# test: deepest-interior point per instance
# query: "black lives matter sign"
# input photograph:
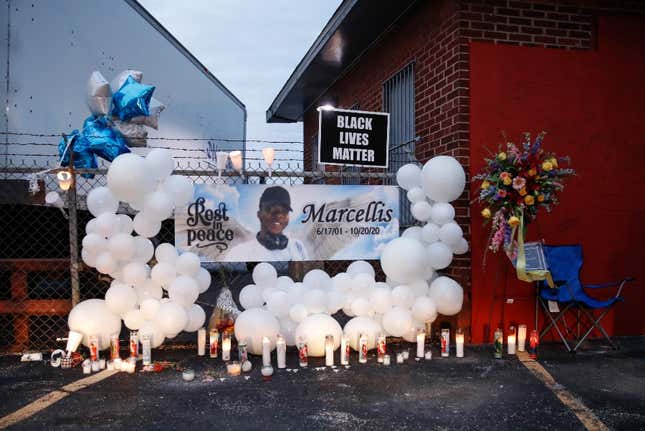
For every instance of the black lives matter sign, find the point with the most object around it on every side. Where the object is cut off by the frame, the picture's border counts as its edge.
(353, 138)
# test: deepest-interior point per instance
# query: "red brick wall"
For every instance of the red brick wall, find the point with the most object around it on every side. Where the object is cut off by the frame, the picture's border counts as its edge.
(436, 36)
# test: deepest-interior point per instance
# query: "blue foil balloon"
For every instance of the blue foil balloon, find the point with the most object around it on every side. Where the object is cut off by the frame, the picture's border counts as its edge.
(102, 139)
(83, 157)
(132, 100)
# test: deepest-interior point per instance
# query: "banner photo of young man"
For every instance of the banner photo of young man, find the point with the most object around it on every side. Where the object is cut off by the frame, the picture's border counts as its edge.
(258, 222)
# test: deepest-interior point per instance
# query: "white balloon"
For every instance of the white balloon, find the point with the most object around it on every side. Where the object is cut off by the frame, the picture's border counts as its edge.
(314, 329)
(128, 179)
(288, 331)
(283, 282)
(317, 279)
(144, 249)
(93, 317)
(95, 243)
(430, 232)
(419, 288)
(152, 328)
(264, 274)
(408, 176)
(105, 263)
(120, 298)
(360, 267)
(443, 178)
(442, 213)
(404, 259)
(424, 309)
(296, 293)
(361, 307)
(90, 227)
(278, 303)
(421, 211)
(107, 224)
(146, 225)
(135, 273)
(122, 246)
(179, 188)
(447, 295)
(413, 232)
(461, 247)
(166, 253)
(183, 290)
(125, 223)
(254, 324)
(402, 296)
(342, 281)
(171, 318)
(163, 273)
(362, 325)
(101, 200)
(450, 234)
(416, 194)
(88, 258)
(316, 301)
(159, 163)
(133, 319)
(362, 285)
(196, 318)
(397, 321)
(251, 297)
(158, 205)
(148, 289)
(298, 313)
(203, 279)
(439, 255)
(188, 264)
(149, 308)
(335, 300)
(381, 299)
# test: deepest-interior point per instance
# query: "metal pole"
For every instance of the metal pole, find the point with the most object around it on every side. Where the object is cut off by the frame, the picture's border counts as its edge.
(73, 229)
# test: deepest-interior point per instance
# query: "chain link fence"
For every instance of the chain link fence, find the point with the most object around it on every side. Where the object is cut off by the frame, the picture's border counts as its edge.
(42, 275)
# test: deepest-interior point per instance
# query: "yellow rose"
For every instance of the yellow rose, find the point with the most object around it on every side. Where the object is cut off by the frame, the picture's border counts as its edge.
(540, 198)
(547, 166)
(532, 172)
(486, 213)
(528, 200)
(485, 185)
(507, 181)
(522, 191)
(513, 221)
(502, 156)
(554, 162)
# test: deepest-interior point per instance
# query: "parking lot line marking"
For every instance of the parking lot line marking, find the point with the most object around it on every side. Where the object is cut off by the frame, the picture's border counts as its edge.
(52, 398)
(584, 414)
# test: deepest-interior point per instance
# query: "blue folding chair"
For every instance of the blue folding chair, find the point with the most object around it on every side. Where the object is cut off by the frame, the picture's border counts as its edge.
(565, 262)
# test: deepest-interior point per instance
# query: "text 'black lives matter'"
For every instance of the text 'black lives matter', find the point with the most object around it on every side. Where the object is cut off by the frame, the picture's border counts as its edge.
(353, 138)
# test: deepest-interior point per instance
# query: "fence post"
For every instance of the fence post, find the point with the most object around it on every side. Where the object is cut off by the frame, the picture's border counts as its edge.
(73, 229)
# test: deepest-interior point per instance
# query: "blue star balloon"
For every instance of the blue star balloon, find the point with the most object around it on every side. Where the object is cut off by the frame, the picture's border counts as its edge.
(83, 157)
(132, 99)
(102, 139)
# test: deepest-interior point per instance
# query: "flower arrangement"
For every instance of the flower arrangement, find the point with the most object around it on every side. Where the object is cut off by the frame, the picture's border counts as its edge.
(515, 183)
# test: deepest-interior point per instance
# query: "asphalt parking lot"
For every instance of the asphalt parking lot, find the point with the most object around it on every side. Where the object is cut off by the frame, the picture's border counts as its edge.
(475, 392)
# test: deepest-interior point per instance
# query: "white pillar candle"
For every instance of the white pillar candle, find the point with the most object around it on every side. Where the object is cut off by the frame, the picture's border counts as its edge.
(96, 366)
(329, 350)
(102, 364)
(201, 341)
(399, 358)
(459, 342)
(405, 354)
(421, 344)
(266, 351)
(87, 368)
(119, 361)
(511, 340)
(281, 349)
(386, 360)
(521, 338)
(110, 365)
(344, 350)
(226, 346)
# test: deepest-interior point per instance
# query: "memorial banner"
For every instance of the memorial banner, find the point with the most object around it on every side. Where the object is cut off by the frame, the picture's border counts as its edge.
(257, 222)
